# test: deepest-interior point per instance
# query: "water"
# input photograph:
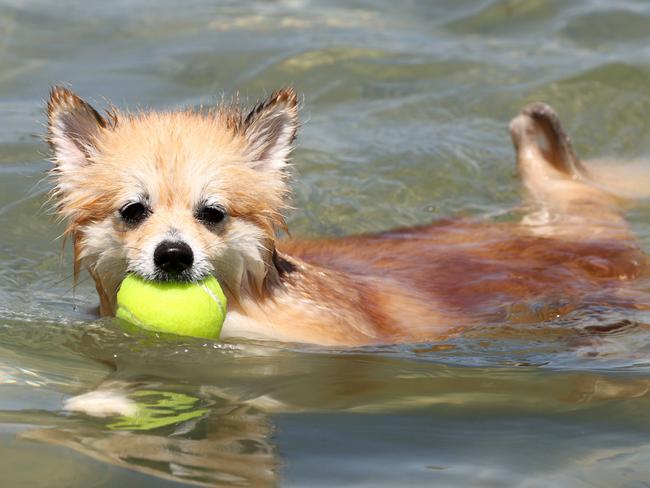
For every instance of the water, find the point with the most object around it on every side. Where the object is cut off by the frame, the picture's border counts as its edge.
(405, 113)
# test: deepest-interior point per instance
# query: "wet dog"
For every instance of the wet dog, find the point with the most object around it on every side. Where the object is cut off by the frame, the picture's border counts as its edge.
(184, 194)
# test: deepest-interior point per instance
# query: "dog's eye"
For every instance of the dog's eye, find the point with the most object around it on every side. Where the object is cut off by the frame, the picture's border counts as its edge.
(211, 214)
(134, 213)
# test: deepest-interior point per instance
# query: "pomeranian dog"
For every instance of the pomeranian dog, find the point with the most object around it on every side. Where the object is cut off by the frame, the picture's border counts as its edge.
(184, 194)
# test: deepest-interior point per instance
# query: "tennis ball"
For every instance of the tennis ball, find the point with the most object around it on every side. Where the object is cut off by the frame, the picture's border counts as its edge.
(190, 309)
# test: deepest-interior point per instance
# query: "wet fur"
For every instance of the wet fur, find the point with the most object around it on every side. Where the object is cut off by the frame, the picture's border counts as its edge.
(573, 248)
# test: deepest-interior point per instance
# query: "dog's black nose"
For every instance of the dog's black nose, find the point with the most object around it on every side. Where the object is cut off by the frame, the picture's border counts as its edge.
(173, 257)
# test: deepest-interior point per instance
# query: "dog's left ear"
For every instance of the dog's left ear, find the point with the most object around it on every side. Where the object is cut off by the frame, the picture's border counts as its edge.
(73, 128)
(270, 129)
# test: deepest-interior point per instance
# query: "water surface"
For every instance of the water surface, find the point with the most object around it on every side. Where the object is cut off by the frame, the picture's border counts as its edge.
(405, 113)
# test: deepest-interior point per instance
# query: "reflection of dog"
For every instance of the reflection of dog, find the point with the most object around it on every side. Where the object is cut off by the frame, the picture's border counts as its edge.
(180, 195)
(232, 446)
(237, 443)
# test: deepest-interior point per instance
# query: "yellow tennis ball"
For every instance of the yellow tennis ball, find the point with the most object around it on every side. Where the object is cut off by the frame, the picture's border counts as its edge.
(190, 309)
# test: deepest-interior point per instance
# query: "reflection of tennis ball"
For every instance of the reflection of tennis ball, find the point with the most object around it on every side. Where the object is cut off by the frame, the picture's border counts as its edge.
(191, 309)
(155, 409)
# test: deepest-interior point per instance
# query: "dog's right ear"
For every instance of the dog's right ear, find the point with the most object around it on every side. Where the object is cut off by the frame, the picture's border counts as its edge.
(73, 128)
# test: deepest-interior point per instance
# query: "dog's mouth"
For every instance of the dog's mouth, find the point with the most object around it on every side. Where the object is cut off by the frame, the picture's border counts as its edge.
(186, 276)
(177, 277)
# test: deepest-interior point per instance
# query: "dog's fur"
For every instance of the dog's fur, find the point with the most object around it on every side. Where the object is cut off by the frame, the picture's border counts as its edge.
(572, 249)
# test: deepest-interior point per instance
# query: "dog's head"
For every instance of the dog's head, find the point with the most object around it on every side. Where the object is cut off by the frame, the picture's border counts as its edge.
(173, 195)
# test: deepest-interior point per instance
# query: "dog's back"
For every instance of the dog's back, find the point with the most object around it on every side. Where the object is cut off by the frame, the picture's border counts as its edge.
(463, 273)
(572, 250)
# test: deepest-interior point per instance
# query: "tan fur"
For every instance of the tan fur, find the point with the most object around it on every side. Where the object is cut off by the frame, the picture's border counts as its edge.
(573, 248)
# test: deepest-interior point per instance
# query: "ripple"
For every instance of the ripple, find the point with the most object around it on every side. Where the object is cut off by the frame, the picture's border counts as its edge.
(604, 27)
(507, 17)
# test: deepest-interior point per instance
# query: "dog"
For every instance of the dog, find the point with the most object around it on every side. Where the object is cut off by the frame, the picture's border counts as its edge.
(181, 195)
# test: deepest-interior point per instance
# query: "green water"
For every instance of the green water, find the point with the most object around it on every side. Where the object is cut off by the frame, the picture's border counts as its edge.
(405, 117)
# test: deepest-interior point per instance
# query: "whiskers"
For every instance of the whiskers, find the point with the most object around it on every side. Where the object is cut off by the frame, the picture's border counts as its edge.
(85, 263)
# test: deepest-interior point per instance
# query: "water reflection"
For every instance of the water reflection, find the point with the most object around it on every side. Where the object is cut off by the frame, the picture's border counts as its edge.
(214, 420)
(224, 445)
(205, 436)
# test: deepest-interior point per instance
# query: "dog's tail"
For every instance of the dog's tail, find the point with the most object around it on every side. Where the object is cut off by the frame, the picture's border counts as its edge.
(556, 180)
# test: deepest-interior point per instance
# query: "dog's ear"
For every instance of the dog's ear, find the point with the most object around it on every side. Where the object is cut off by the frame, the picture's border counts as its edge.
(73, 128)
(270, 129)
